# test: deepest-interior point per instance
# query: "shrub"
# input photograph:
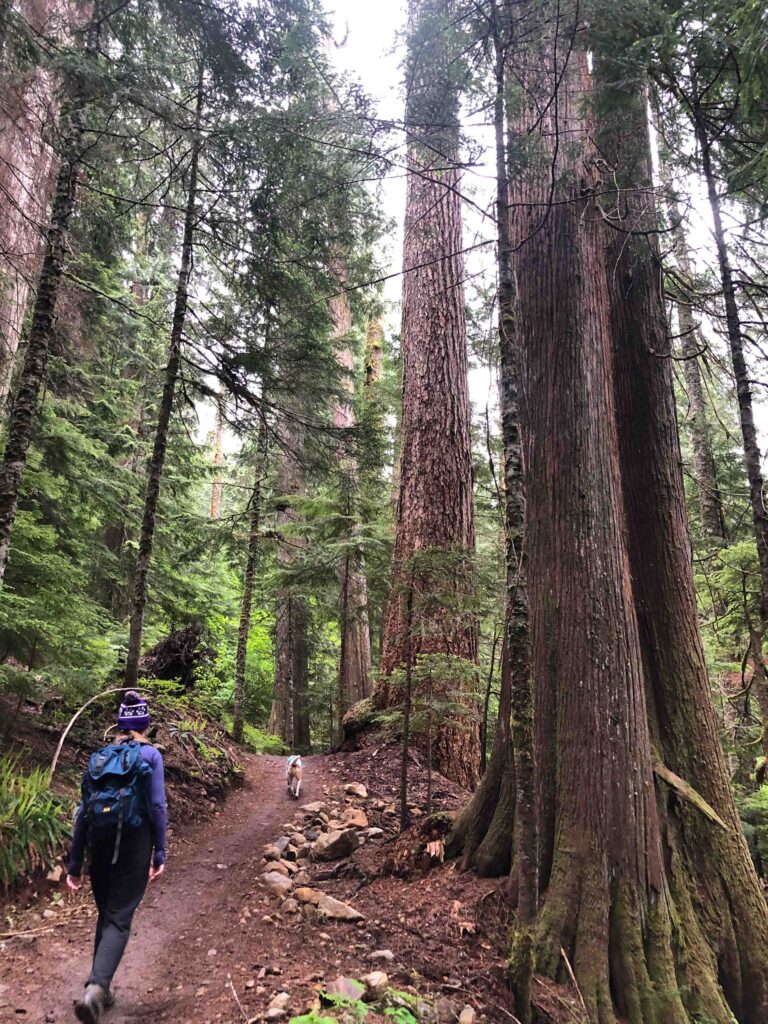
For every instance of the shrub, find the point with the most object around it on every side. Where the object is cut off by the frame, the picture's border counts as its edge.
(33, 821)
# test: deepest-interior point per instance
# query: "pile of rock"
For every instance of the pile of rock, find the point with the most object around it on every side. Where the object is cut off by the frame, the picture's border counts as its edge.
(323, 831)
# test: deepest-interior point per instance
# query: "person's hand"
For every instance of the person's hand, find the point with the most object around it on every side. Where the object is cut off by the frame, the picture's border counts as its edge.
(155, 872)
(74, 882)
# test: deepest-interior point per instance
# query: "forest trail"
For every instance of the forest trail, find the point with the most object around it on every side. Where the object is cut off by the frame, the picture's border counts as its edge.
(189, 937)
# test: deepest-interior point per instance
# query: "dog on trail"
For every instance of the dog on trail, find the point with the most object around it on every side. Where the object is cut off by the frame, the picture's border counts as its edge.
(293, 773)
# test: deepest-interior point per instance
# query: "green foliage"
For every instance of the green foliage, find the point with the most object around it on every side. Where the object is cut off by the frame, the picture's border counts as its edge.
(33, 821)
(753, 810)
(256, 740)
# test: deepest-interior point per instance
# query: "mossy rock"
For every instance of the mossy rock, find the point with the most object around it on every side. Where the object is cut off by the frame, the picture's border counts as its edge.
(359, 717)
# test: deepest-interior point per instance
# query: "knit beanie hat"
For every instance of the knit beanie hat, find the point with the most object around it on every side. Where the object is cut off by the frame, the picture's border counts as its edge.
(133, 713)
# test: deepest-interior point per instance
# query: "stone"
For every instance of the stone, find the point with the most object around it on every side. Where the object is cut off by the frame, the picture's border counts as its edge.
(312, 809)
(376, 984)
(280, 1001)
(446, 1010)
(54, 875)
(290, 853)
(277, 883)
(290, 867)
(467, 1015)
(356, 789)
(282, 843)
(335, 845)
(336, 910)
(355, 817)
(383, 954)
(279, 867)
(302, 877)
(374, 833)
(306, 895)
(312, 834)
(275, 1013)
(309, 913)
(271, 852)
(347, 987)
(291, 906)
(48, 914)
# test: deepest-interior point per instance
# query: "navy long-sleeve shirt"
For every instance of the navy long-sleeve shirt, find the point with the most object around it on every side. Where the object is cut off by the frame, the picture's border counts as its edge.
(157, 812)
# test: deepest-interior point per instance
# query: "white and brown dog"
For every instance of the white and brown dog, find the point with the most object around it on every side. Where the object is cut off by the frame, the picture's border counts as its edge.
(293, 773)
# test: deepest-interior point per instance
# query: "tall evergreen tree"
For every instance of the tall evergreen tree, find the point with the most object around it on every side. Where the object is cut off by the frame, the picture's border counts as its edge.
(435, 500)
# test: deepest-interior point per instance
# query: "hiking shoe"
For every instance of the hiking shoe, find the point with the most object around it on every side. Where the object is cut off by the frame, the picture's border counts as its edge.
(88, 1009)
(109, 999)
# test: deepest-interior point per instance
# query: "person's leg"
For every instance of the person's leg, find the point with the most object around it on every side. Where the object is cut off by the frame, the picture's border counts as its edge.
(101, 857)
(127, 883)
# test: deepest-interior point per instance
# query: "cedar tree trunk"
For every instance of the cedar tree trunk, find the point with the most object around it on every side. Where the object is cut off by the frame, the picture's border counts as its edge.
(605, 903)
(434, 506)
(720, 925)
(24, 407)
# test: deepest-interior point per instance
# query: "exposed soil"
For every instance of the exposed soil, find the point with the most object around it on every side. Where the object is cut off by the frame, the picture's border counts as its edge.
(210, 944)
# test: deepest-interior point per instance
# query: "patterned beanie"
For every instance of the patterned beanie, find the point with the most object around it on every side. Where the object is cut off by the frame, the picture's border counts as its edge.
(133, 713)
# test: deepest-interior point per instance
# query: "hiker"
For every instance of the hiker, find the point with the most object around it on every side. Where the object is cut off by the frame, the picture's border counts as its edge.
(122, 816)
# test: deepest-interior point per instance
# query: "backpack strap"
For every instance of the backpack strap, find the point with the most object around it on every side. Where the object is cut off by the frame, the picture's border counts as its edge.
(119, 836)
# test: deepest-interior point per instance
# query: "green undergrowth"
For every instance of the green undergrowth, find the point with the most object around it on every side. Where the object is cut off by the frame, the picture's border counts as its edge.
(396, 1006)
(34, 821)
(256, 740)
(753, 810)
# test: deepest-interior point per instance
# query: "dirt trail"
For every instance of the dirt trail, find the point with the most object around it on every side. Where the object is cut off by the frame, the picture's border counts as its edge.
(189, 936)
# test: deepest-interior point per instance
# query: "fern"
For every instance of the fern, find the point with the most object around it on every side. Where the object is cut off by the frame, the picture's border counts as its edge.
(33, 821)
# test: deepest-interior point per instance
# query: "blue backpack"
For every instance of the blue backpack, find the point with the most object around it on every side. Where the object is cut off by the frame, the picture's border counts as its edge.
(114, 789)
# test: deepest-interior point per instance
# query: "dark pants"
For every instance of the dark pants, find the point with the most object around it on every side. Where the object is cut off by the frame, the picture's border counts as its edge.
(118, 890)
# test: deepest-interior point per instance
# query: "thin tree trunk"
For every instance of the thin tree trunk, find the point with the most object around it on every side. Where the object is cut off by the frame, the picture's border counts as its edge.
(250, 571)
(486, 705)
(157, 463)
(752, 454)
(524, 877)
(407, 698)
(289, 716)
(434, 509)
(355, 648)
(692, 346)
(24, 409)
(715, 895)
(218, 461)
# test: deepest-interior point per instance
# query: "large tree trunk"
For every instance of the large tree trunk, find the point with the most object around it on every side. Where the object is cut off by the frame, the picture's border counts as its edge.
(721, 921)
(160, 447)
(289, 716)
(605, 906)
(24, 408)
(355, 649)
(434, 508)
(251, 560)
(29, 112)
